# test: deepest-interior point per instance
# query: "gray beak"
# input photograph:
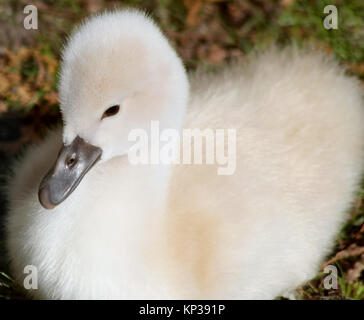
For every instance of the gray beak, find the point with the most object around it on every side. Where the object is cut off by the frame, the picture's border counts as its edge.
(72, 164)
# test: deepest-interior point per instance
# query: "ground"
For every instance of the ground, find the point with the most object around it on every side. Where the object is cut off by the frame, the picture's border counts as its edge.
(206, 33)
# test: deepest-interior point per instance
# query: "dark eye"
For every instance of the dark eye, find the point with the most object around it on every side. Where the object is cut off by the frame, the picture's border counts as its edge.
(111, 111)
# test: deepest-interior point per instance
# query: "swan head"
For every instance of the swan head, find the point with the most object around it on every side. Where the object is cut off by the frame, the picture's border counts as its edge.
(118, 73)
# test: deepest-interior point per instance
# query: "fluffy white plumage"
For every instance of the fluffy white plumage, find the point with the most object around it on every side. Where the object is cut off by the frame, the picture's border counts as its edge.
(155, 231)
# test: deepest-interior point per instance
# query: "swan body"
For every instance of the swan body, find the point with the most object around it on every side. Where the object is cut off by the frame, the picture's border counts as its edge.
(182, 231)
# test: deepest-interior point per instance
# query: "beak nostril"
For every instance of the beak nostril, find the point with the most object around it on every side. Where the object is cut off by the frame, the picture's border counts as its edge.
(71, 160)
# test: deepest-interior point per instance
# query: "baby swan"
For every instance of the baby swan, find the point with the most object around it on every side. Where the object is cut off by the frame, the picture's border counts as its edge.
(98, 227)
